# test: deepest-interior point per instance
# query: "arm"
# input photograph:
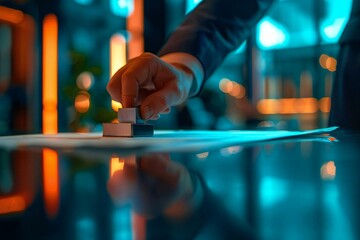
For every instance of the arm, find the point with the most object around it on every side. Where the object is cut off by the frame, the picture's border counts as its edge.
(215, 28)
(207, 35)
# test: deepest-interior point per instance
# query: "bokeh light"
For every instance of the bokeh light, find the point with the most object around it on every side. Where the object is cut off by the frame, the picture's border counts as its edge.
(225, 85)
(85, 80)
(82, 102)
(115, 105)
(325, 104)
(328, 171)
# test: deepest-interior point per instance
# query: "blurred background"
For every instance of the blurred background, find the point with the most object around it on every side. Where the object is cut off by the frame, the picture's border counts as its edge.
(56, 58)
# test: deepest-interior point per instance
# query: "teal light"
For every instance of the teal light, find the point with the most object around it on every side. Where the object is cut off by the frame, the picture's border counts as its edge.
(241, 49)
(271, 34)
(191, 4)
(272, 191)
(332, 31)
(84, 2)
(122, 8)
(337, 13)
(121, 222)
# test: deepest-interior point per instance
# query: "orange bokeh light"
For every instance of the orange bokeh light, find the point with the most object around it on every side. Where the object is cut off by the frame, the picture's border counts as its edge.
(84, 80)
(325, 104)
(135, 26)
(50, 74)
(82, 102)
(11, 15)
(331, 64)
(51, 182)
(116, 164)
(117, 53)
(115, 105)
(306, 105)
(322, 60)
(225, 85)
(287, 106)
(268, 106)
(12, 204)
(328, 171)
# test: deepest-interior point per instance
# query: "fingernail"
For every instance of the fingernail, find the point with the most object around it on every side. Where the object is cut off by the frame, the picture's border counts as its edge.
(155, 117)
(147, 112)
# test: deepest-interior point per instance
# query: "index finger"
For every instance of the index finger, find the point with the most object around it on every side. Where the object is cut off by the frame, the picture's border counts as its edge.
(139, 73)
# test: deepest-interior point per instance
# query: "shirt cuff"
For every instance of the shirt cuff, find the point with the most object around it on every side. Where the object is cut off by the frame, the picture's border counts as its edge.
(190, 62)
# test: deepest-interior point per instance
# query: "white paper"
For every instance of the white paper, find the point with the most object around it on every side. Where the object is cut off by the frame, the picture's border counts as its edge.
(161, 141)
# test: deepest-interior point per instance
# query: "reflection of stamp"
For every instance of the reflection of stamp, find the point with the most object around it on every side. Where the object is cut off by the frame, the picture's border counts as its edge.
(130, 125)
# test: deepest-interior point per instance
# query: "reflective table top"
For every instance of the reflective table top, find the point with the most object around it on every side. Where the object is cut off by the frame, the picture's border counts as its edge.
(297, 188)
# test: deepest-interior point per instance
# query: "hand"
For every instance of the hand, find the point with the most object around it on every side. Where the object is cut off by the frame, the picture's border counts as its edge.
(151, 83)
(155, 186)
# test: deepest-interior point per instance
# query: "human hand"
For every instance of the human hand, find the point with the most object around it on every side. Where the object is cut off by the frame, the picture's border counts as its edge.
(155, 186)
(151, 83)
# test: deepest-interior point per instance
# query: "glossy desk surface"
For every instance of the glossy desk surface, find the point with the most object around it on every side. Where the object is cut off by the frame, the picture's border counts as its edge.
(298, 188)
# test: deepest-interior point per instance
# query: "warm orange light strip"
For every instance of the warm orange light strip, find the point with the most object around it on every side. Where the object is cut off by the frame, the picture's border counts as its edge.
(116, 164)
(117, 60)
(117, 53)
(50, 74)
(325, 104)
(51, 182)
(12, 204)
(135, 26)
(11, 15)
(288, 106)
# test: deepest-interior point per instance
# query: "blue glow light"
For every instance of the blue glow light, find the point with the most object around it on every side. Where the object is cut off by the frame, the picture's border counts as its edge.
(272, 191)
(337, 13)
(85, 229)
(191, 4)
(271, 34)
(84, 2)
(122, 224)
(241, 49)
(122, 8)
(332, 31)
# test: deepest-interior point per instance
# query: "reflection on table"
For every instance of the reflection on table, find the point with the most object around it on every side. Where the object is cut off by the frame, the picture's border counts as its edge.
(290, 189)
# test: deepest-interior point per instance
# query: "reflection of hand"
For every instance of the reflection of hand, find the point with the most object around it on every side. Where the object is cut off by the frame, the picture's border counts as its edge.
(156, 186)
(152, 83)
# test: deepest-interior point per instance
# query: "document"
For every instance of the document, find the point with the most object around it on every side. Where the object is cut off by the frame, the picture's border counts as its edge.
(161, 141)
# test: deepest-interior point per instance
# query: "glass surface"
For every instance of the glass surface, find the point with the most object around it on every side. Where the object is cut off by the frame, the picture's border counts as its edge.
(298, 188)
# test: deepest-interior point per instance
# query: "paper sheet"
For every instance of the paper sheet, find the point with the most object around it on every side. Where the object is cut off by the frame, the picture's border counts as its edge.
(161, 141)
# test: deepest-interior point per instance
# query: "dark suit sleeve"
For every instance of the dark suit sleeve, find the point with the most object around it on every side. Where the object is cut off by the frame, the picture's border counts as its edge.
(215, 28)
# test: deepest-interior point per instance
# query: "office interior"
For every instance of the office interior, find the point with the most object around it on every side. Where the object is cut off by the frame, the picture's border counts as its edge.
(280, 78)
(56, 58)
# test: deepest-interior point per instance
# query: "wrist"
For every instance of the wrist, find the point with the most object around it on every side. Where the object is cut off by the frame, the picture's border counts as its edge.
(188, 64)
(186, 79)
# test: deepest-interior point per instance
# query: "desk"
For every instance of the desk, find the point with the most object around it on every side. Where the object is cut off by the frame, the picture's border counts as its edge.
(299, 188)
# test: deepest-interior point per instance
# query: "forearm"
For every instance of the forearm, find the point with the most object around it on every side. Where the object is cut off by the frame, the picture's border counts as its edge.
(215, 28)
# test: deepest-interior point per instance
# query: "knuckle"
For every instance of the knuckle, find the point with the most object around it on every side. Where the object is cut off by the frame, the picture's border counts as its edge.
(148, 55)
(149, 59)
(176, 91)
(162, 102)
